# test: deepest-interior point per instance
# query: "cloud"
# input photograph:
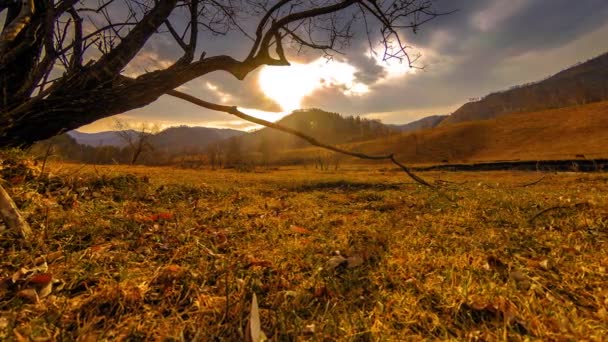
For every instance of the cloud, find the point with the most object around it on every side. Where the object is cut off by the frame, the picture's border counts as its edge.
(486, 46)
(497, 12)
(368, 70)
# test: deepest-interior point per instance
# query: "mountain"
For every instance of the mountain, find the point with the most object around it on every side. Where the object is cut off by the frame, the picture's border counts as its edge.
(328, 127)
(424, 123)
(107, 138)
(189, 139)
(583, 83)
(172, 140)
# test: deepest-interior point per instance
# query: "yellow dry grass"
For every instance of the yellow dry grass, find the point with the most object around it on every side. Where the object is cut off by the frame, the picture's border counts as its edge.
(563, 133)
(355, 255)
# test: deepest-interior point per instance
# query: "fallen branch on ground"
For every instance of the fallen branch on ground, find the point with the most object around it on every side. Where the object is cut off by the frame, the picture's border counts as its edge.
(236, 112)
(532, 183)
(559, 207)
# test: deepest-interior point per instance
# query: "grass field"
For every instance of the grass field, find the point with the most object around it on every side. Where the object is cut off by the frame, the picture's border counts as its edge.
(140, 253)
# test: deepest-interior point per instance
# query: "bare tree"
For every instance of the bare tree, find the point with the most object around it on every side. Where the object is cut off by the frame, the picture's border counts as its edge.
(62, 62)
(135, 137)
(214, 155)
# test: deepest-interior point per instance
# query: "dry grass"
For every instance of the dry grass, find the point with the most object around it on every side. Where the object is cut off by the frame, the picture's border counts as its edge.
(148, 253)
(561, 133)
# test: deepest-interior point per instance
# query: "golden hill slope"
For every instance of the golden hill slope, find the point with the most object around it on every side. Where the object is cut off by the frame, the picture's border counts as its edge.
(584, 83)
(563, 133)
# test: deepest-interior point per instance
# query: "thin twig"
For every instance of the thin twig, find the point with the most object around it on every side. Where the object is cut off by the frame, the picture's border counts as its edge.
(47, 154)
(558, 207)
(533, 183)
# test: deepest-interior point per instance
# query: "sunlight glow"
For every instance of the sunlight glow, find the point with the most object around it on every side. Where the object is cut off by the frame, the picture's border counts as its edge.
(289, 85)
(394, 67)
(224, 97)
(264, 115)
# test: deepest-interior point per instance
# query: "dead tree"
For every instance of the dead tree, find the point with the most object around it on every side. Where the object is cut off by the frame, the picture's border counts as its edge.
(62, 62)
(137, 140)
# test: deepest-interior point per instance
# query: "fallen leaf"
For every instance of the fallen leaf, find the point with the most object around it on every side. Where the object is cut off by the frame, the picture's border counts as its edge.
(49, 258)
(46, 290)
(300, 230)
(354, 261)
(517, 275)
(165, 216)
(19, 274)
(544, 264)
(309, 329)
(319, 291)
(336, 261)
(41, 279)
(28, 294)
(173, 268)
(255, 328)
(19, 337)
(252, 261)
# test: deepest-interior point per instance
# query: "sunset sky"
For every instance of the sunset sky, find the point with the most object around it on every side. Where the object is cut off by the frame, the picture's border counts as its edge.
(487, 45)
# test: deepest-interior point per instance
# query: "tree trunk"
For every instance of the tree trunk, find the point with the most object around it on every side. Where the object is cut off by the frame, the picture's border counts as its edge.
(79, 103)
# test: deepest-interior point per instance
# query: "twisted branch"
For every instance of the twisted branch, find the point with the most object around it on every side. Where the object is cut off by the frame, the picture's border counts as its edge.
(236, 112)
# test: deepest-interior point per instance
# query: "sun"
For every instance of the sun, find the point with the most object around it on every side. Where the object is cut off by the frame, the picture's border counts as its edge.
(288, 86)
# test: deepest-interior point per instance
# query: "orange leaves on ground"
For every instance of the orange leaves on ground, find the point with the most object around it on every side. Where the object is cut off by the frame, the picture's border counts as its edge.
(162, 216)
(154, 217)
(17, 180)
(253, 261)
(299, 230)
(42, 278)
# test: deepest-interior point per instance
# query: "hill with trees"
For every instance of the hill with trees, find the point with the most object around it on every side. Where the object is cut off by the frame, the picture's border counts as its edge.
(328, 127)
(563, 133)
(583, 83)
(424, 123)
(111, 146)
(184, 139)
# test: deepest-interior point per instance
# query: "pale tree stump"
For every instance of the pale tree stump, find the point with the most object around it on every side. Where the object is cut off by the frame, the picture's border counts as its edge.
(11, 216)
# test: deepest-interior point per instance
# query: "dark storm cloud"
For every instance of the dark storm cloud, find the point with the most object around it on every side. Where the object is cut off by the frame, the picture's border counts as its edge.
(369, 72)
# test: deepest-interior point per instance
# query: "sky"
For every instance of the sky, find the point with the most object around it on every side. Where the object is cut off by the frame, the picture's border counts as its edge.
(485, 46)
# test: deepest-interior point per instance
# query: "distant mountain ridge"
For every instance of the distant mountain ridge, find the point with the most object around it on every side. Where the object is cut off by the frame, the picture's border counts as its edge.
(424, 123)
(172, 139)
(106, 138)
(583, 83)
(185, 139)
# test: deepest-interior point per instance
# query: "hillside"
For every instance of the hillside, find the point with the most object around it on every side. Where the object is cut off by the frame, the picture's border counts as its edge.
(584, 83)
(189, 139)
(424, 123)
(328, 127)
(564, 133)
(172, 140)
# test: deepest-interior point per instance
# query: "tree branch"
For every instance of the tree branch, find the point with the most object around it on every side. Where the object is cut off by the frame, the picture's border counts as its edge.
(236, 112)
(17, 25)
(77, 52)
(112, 63)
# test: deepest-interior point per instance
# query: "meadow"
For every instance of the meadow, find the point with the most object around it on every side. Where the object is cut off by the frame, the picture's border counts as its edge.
(358, 254)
